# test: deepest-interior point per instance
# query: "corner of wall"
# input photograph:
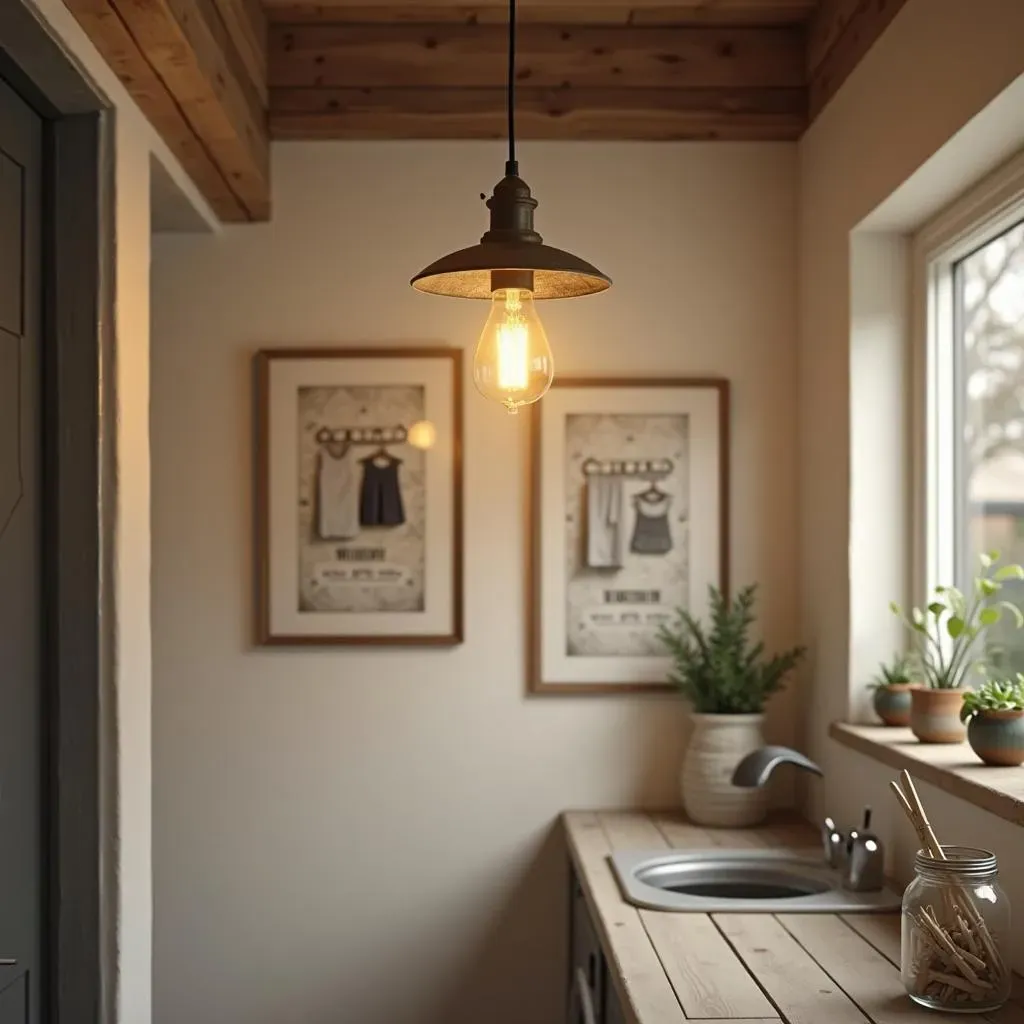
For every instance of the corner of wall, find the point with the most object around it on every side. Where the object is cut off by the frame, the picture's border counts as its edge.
(880, 478)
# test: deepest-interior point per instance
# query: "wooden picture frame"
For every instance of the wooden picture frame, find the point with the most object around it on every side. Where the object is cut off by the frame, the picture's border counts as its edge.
(358, 476)
(585, 434)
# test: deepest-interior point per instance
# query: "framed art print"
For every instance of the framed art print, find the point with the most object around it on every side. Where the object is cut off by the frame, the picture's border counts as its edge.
(359, 496)
(629, 522)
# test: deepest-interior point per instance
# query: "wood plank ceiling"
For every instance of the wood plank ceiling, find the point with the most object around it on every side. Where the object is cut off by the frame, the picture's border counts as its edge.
(586, 69)
(220, 78)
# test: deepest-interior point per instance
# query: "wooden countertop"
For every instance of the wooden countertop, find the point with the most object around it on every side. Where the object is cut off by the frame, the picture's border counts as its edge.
(749, 968)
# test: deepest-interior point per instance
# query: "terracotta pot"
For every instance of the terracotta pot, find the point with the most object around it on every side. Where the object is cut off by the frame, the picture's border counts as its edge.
(717, 745)
(935, 715)
(892, 703)
(997, 737)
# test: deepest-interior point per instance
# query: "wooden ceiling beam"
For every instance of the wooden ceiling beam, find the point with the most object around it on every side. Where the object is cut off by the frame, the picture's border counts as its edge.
(197, 70)
(108, 33)
(445, 56)
(642, 114)
(550, 12)
(188, 48)
(246, 24)
(839, 35)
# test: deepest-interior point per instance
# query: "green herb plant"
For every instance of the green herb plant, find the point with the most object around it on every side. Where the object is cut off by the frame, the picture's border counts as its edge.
(946, 633)
(897, 673)
(718, 669)
(994, 695)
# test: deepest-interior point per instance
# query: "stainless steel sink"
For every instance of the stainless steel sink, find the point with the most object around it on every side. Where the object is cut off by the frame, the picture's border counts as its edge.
(742, 881)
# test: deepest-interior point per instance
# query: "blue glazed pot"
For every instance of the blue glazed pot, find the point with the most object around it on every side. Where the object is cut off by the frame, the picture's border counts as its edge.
(892, 703)
(997, 737)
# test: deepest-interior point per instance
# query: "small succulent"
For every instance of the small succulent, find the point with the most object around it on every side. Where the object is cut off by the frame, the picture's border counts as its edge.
(994, 695)
(896, 673)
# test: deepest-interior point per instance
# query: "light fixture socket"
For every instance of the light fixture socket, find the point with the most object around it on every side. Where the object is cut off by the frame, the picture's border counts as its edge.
(504, 279)
(512, 206)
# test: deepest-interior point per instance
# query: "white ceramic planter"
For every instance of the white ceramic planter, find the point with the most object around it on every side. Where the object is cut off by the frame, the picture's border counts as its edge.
(717, 745)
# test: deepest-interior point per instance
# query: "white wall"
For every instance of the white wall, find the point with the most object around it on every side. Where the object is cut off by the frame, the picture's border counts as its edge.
(885, 154)
(368, 835)
(127, 871)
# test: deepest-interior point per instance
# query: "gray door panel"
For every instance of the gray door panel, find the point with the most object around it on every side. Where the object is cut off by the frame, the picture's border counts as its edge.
(14, 1002)
(21, 669)
(10, 245)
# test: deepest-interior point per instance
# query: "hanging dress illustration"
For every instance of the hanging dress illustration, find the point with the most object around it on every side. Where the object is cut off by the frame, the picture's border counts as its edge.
(651, 534)
(605, 528)
(380, 498)
(337, 493)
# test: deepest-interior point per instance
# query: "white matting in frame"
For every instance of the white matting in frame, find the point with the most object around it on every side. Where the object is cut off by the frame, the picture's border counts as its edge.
(629, 514)
(359, 529)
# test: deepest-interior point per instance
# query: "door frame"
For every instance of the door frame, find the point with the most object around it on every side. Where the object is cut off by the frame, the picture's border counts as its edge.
(78, 463)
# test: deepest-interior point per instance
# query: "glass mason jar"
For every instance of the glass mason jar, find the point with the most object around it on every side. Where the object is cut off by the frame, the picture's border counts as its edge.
(956, 921)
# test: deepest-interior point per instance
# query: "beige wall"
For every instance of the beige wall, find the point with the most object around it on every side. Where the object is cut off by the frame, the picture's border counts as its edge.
(891, 131)
(368, 835)
(132, 647)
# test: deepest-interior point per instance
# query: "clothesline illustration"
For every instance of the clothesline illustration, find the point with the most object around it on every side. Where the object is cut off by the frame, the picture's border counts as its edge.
(347, 499)
(396, 434)
(627, 467)
(605, 510)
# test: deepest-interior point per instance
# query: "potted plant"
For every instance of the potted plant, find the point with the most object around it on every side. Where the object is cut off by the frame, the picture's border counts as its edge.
(727, 679)
(946, 636)
(892, 686)
(994, 714)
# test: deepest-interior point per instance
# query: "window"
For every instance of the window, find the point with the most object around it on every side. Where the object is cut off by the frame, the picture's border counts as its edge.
(988, 287)
(973, 446)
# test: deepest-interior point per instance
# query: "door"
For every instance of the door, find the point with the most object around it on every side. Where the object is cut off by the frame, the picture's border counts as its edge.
(21, 669)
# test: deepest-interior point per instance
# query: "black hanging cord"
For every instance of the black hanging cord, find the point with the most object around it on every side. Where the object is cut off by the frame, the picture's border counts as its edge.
(511, 166)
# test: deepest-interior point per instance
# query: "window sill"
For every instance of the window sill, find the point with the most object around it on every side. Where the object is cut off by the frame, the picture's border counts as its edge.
(951, 767)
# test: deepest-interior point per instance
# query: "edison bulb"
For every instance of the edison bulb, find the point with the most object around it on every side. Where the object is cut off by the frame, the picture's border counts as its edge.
(513, 363)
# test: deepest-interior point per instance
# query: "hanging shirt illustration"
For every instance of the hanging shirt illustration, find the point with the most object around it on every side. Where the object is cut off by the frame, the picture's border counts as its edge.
(651, 535)
(337, 495)
(604, 522)
(380, 500)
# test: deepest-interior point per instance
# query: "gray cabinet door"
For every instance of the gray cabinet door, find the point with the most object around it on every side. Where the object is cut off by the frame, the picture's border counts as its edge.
(613, 1012)
(586, 957)
(21, 667)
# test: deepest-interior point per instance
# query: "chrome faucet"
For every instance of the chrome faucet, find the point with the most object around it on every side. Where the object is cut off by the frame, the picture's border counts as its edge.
(858, 855)
(755, 769)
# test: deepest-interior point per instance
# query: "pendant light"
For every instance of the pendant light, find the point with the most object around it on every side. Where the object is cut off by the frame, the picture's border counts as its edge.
(512, 267)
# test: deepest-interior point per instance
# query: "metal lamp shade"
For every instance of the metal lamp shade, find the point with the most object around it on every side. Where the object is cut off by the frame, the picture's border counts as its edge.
(466, 274)
(511, 254)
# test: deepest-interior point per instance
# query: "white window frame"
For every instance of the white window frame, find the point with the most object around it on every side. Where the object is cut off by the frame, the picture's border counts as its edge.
(989, 208)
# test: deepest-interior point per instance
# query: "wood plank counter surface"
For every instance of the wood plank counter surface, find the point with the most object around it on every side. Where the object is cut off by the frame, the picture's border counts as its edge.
(795, 968)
